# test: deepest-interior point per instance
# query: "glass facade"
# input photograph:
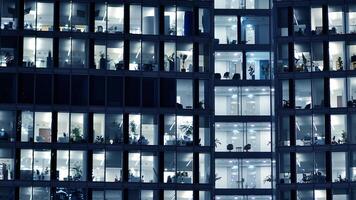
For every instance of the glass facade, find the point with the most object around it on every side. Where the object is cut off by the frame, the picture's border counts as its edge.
(106, 100)
(243, 100)
(315, 107)
(183, 100)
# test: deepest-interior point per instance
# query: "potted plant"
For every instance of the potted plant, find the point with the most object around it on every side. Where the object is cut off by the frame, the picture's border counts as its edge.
(77, 172)
(267, 179)
(76, 136)
(265, 69)
(217, 142)
(187, 129)
(305, 62)
(353, 61)
(201, 104)
(251, 71)
(99, 139)
(184, 58)
(171, 60)
(339, 64)
(343, 137)
(133, 128)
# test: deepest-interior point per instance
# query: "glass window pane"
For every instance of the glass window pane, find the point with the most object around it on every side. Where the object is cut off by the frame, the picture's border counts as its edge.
(113, 166)
(149, 130)
(134, 167)
(336, 20)
(185, 130)
(135, 19)
(43, 125)
(114, 128)
(228, 65)
(149, 20)
(227, 101)
(74, 17)
(9, 14)
(100, 17)
(42, 165)
(185, 94)
(26, 126)
(337, 56)
(255, 30)
(258, 65)
(226, 29)
(135, 55)
(115, 18)
(337, 92)
(98, 166)
(78, 167)
(7, 164)
(7, 124)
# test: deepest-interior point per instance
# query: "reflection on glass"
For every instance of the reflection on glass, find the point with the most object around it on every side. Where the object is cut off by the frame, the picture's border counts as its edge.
(72, 53)
(310, 167)
(114, 128)
(7, 126)
(74, 17)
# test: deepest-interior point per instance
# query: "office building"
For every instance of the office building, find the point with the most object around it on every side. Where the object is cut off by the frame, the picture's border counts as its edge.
(243, 118)
(315, 62)
(105, 100)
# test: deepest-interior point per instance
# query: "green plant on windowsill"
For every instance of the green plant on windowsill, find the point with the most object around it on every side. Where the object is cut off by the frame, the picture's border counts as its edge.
(201, 104)
(77, 172)
(76, 136)
(187, 129)
(133, 127)
(99, 139)
(183, 57)
(217, 142)
(343, 137)
(339, 64)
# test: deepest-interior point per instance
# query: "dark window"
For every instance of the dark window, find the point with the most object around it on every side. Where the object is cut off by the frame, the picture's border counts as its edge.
(25, 85)
(114, 91)
(7, 89)
(132, 91)
(168, 92)
(97, 90)
(43, 89)
(7, 193)
(149, 92)
(61, 89)
(79, 90)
